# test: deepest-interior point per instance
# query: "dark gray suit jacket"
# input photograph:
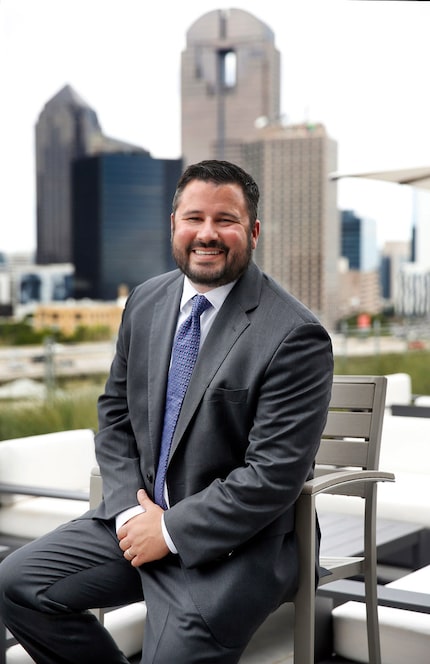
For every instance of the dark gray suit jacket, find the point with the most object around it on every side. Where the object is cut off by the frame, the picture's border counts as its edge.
(245, 441)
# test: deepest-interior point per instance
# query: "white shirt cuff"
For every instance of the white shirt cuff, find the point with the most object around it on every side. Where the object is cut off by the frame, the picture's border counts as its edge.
(122, 517)
(167, 537)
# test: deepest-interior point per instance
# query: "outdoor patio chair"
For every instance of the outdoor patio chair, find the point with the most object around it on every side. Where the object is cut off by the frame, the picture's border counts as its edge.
(347, 463)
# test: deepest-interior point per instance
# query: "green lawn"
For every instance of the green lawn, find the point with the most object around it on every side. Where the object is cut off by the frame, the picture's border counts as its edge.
(77, 409)
(414, 363)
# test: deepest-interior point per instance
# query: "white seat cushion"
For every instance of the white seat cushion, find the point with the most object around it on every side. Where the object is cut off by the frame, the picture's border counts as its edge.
(405, 635)
(60, 460)
(33, 517)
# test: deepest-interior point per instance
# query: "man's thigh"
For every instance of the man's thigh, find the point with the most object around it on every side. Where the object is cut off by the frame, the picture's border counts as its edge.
(78, 566)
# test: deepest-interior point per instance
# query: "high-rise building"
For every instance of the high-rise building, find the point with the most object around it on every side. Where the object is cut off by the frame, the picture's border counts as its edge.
(121, 221)
(394, 256)
(231, 110)
(299, 242)
(360, 275)
(230, 83)
(67, 128)
(413, 290)
(359, 241)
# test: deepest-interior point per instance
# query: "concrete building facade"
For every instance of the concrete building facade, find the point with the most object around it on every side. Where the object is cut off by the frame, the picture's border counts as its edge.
(299, 243)
(230, 82)
(394, 256)
(67, 317)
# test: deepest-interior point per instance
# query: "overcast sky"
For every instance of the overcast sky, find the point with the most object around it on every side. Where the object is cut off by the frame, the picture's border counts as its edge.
(361, 67)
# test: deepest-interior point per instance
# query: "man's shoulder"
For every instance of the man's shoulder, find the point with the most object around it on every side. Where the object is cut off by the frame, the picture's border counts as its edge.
(285, 302)
(153, 285)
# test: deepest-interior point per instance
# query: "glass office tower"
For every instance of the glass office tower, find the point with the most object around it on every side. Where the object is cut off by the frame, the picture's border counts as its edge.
(121, 220)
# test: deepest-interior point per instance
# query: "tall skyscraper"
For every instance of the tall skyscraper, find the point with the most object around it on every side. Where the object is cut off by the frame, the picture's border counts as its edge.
(121, 220)
(359, 281)
(230, 82)
(394, 256)
(299, 242)
(231, 110)
(67, 129)
(359, 241)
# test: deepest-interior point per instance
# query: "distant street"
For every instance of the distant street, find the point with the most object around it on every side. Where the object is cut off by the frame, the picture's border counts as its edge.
(95, 358)
(66, 360)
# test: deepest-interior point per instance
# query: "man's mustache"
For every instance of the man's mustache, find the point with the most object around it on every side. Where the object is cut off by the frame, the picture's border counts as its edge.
(213, 244)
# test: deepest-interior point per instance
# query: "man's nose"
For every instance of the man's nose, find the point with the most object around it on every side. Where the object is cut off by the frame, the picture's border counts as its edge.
(207, 230)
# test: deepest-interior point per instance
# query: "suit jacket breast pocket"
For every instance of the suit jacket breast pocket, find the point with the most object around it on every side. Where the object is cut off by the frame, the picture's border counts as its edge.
(226, 395)
(228, 411)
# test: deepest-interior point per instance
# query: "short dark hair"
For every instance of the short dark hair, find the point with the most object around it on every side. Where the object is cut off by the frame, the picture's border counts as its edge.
(221, 172)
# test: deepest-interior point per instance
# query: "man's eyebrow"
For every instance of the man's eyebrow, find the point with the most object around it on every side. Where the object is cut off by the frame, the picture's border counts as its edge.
(187, 212)
(220, 213)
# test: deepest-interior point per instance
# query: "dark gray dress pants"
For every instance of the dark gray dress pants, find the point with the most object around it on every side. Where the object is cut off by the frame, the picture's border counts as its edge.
(47, 587)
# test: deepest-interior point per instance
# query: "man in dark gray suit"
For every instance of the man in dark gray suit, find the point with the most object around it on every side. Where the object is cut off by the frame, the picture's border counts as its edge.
(217, 555)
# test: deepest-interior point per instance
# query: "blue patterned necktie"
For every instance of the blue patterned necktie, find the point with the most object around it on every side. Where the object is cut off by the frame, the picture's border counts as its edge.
(184, 355)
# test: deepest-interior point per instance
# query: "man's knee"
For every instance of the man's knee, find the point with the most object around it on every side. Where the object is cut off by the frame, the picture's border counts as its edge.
(11, 598)
(14, 583)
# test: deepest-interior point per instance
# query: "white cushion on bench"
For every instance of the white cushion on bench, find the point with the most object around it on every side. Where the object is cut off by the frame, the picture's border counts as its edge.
(127, 625)
(405, 635)
(33, 517)
(60, 460)
(399, 389)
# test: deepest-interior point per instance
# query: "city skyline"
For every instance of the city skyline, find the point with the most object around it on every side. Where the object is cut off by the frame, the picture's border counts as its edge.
(357, 67)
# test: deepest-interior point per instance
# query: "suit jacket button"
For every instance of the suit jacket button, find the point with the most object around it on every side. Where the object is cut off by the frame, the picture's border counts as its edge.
(149, 477)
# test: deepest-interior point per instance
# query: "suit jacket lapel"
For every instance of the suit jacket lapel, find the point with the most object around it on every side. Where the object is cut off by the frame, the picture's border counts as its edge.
(163, 328)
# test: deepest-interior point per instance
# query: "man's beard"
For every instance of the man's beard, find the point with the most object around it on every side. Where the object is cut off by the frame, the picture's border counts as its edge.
(234, 265)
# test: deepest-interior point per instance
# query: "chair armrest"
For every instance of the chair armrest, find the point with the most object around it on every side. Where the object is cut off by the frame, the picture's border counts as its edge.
(96, 487)
(45, 492)
(342, 477)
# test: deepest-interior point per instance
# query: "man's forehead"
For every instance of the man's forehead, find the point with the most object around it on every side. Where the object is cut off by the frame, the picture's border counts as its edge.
(207, 190)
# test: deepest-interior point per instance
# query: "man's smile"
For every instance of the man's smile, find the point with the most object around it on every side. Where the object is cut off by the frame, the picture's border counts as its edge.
(207, 252)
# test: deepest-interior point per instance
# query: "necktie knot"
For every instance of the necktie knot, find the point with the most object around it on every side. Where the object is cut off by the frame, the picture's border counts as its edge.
(200, 304)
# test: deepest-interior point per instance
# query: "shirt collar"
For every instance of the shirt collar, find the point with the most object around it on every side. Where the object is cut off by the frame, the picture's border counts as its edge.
(216, 296)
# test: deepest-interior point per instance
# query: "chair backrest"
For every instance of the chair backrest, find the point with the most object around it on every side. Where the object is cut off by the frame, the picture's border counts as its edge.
(352, 435)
